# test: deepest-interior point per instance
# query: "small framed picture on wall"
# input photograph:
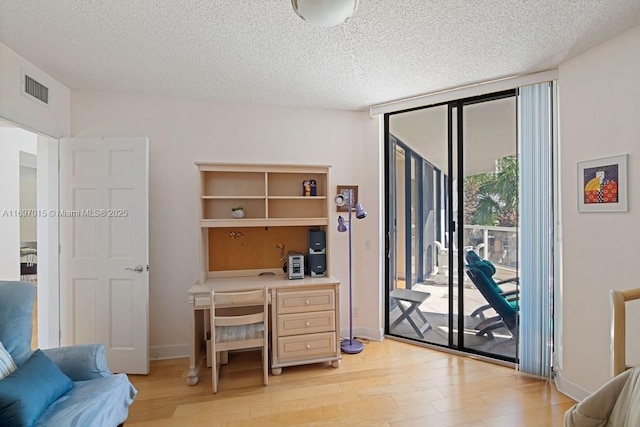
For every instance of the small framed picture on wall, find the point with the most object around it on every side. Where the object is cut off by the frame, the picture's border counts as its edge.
(602, 185)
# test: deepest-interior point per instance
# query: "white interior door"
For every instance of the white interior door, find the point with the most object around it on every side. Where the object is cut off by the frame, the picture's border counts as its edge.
(104, 279)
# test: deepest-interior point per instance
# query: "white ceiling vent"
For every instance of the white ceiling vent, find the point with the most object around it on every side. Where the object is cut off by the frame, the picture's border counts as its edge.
(34, 90)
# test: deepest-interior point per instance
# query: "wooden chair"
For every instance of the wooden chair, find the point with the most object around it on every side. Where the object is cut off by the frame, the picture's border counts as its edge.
(233, 329)
(615, 403)
(618, 327)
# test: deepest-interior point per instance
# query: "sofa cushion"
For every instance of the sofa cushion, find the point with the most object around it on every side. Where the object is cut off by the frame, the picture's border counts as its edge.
(27, 392)
(7, 365)
(94, 403)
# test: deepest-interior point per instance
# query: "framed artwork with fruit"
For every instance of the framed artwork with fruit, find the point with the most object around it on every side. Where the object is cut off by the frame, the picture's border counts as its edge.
(602, 185)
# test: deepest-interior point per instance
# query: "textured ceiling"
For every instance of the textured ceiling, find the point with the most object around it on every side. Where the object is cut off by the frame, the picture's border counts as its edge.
(259, 51)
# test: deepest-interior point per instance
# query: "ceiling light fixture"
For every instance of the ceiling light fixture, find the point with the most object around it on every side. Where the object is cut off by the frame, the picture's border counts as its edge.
(325, 13)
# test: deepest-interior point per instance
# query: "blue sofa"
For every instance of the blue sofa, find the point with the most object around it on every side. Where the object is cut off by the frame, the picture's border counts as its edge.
(59, 387)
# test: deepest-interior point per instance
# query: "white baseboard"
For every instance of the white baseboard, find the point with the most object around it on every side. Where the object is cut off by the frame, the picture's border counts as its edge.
(162, 352)
(367, 333)
(177, 351)
(571, 389)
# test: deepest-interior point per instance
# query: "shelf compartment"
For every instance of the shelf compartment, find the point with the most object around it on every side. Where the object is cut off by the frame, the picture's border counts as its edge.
(302, 207)
(233, 184)
(290, 184)
(220, 208)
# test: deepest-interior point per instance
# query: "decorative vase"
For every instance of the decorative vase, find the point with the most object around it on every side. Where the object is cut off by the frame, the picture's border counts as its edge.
(238, 213)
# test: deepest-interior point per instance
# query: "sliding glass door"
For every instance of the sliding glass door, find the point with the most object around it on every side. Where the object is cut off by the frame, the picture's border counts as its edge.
(489, 218)
(451, 183)
(417, 212)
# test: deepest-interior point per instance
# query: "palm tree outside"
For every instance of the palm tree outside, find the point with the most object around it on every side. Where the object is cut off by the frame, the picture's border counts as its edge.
(491, 199)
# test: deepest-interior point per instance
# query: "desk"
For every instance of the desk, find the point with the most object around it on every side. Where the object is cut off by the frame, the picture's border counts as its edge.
(305, 319)
(414, 298)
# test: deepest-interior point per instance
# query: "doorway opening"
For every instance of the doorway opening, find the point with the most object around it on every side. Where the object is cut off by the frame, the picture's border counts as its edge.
(28, 224)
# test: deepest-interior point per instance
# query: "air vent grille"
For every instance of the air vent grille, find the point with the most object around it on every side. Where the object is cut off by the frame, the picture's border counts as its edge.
(36, 89)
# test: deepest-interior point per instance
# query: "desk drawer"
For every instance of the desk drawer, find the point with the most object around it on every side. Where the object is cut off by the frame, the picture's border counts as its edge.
(305, 301)
(306, 323)
(303, 347)
(201, 301)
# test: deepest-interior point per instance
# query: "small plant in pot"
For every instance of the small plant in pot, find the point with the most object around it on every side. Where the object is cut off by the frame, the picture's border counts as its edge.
(237, 212)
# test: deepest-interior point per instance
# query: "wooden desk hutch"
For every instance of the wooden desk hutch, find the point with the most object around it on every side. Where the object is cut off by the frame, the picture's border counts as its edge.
(249, 253)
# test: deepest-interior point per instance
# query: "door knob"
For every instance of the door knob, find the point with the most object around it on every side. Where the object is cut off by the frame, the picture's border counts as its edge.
(138, 268)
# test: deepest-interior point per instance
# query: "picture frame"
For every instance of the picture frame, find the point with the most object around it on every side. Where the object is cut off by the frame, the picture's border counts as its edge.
(344, 189)
(602, 185)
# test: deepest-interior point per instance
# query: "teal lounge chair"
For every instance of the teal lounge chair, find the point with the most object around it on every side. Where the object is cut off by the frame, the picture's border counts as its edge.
(480, 275)
(512, 297)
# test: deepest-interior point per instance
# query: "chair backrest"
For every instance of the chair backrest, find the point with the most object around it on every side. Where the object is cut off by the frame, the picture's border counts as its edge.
(240, 300)
(618, 328)
(478, 273)
(471, 256)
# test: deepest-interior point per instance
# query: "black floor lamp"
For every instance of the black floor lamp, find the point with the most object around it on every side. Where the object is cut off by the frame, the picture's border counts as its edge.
(350, 346)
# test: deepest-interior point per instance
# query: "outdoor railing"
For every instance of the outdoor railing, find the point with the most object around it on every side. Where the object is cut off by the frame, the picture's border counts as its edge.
(497, 244)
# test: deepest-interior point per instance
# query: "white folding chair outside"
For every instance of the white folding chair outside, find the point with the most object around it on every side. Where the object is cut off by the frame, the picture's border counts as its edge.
(239, 331)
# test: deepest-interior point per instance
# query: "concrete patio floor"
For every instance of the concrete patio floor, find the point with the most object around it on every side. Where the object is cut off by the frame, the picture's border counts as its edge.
(436, 309)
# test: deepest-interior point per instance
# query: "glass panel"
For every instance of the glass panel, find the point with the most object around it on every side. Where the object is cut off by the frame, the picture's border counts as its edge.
(419, 291)
(400, 227)
(490, 221)
(452, 237)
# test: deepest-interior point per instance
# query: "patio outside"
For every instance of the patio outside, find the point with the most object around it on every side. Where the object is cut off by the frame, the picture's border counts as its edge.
(494, 247)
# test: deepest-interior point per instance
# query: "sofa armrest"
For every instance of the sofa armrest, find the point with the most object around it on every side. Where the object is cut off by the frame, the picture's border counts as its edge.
(80, 362)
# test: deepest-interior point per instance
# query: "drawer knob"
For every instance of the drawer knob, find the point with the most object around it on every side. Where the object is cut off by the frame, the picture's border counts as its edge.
(307, 324)
(307, 302)
(308, 346)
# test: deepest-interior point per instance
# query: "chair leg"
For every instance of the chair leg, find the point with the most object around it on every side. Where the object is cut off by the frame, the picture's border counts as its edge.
(486, 322)
(265, 365)
(487, 329)
(480, 311)
(215, 367)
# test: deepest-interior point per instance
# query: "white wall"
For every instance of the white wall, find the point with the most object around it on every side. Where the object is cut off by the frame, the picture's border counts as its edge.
(599, 117)
(51, 120)
(182, 131)
(48, 244)
(28, 197)
(12, 141)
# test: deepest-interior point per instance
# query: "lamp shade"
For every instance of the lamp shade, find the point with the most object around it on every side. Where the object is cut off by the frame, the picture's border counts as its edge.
(360, 212)
(325, 13)
(342, 226)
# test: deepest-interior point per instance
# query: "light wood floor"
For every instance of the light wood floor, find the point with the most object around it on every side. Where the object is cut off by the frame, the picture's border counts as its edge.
(389, 384)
